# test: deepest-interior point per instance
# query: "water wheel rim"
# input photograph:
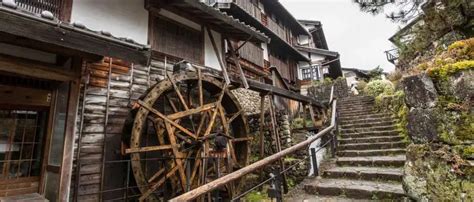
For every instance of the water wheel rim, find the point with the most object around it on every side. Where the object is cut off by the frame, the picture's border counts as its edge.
(159, 89)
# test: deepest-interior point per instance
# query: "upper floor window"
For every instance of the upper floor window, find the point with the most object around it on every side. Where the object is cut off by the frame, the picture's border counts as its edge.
(311, 73)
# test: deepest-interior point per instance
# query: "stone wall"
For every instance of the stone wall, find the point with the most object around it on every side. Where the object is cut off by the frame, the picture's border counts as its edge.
(323, 90)
(250, 100)
(439, 163)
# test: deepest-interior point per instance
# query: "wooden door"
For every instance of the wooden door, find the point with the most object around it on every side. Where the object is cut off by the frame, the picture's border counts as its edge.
(23, 125)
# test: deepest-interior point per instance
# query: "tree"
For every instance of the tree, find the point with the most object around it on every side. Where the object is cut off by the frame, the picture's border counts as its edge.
(406, 9)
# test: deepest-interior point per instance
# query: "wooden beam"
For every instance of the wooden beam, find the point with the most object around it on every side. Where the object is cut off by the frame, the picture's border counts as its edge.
(206, 188)
(218, 55)
(64, 35)
(166, 119)
(148, 149)
(191, 111)
(35, 69)
(236, 60)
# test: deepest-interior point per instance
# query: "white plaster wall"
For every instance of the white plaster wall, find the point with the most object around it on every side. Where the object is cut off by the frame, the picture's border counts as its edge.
(265, 51)
(122, 18)
(210, 57)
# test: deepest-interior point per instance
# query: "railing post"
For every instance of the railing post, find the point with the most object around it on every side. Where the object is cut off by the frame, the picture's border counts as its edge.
(314, 160)
(333, 149)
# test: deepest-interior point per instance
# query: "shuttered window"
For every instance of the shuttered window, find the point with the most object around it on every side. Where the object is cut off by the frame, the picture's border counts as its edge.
(172, 38)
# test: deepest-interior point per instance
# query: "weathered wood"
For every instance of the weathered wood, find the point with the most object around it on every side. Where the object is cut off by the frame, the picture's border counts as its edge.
(178, 92)
(218, 55)
(262, 126)
(148, 149)
(162, 116)
(206, 188)
(34, 69)
(66, 36)
(313, 118)
(190, 112)
(276, 135)
(233, 54)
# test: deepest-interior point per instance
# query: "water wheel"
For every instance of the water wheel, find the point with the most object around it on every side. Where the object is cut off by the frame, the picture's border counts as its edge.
(189, 130)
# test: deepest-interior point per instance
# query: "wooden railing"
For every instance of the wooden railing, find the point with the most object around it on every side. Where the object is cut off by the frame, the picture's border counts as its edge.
(38, 6)
(251, 8)
(331, 130)
(252, 53)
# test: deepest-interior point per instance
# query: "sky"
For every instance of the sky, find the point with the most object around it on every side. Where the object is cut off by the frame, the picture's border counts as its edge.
(360, 38)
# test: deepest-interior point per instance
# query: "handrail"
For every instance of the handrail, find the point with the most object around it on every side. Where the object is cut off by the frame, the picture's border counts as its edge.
(259, 164)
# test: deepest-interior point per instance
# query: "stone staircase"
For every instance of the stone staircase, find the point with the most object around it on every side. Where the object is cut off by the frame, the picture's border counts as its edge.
(370, 156)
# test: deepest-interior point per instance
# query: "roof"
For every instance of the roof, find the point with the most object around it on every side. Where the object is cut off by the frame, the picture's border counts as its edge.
(316, 32)
(75, 37)
(216, 19)
(319, 51)
(406, 28)
(277, 42)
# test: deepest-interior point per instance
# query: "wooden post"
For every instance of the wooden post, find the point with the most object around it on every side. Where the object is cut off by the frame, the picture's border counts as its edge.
(219, 58)
(304, 116)
(313, 118)
(188, 196)
(262, 125)
(233, 54)
(276, 134)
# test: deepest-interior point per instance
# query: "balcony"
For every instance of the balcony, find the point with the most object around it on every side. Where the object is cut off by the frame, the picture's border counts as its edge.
(38, 6)
(252, 53)
(392, 55)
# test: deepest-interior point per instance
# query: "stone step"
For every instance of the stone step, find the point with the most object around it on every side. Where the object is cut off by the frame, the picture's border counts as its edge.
(374, 139)
(355, 99)
(375, 116)
(369, 128)
(345, 110)
(391, 161)
(370, 134)
(368, 124)
(374, 152)
(372, 145)
(365, 173)
(358, 113)
(358, 189)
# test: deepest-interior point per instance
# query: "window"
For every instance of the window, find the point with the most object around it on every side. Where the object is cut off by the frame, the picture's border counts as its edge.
(311, 73)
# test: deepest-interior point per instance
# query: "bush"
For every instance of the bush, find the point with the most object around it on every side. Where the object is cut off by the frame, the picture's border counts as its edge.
(377, 87)
(361, 86)
(395, 76)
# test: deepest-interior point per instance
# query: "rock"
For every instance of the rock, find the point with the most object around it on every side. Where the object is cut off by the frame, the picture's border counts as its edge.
(430, 176)
(47, 15)
(422, 125)
(420, 91)
(9, 4)
(462, 85)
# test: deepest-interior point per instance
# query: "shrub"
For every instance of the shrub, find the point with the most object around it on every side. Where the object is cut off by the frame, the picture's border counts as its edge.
(377, 87)
(361, 86)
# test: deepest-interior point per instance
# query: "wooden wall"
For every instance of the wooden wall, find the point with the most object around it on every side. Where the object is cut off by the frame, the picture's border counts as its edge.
(107, 90)
(177, 40)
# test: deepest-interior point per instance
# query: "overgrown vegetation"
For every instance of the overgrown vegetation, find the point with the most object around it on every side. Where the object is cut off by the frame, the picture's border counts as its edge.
(378, 87)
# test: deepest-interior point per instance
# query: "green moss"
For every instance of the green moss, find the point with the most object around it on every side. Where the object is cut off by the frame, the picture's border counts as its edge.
(445, 70)
(377, 87)
(256, 196)
(395, 104)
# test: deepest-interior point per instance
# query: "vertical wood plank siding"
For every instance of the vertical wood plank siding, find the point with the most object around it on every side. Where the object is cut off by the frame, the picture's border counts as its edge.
(252, 53)
(177, 40)
(251, 8)
(282, 66)
(127, 83)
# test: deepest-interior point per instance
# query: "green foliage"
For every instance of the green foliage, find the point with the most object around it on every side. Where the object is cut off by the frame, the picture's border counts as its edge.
(377, 87)
(361, 86)
(256, 196)
(376, 73)
(299, 123)
(395, 104)
(442, 72)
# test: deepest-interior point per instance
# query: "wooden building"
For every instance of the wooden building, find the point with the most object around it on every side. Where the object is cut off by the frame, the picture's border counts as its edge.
(324, 63)
(43, 59)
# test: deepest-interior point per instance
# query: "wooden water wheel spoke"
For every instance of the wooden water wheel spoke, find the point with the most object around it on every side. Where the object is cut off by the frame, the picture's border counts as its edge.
(166, 119)
(178, 92)
(148, 149)
(178, 155)
(187, 112)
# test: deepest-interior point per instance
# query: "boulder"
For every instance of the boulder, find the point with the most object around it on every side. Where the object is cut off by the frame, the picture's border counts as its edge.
(422, 125)
(462, 85)
(420, 91)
